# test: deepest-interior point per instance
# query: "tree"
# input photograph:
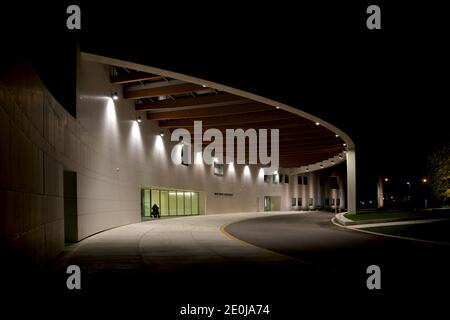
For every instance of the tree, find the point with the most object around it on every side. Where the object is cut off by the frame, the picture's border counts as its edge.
(439, 173)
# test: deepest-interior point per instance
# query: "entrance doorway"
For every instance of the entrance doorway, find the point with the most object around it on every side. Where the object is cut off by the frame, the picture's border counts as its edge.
(272, 203)
(171, 202)
(70, 206)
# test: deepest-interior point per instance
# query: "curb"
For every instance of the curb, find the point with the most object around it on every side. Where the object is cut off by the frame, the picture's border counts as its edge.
(343, 220)
(347, 222)
(336, 223)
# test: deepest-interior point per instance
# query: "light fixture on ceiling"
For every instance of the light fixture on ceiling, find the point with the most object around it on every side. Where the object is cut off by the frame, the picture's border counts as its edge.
(161, 134)
(321, 166)
(332, 161)
(277, 107)
(204, 85)
(336, 135)
(307, 169)
(139, 119)
(317, 124)
(115, 96)
(344, 144)
(341, 157)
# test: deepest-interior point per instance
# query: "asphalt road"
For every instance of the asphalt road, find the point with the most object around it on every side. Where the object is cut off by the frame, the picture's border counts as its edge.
(408, 268)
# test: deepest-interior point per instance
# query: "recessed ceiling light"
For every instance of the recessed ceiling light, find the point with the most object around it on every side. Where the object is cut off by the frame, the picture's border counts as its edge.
(139, 119)
(277, 107)
(344, 144)
(114, 96)
(337, 136)
(317, 123)
(161, 134)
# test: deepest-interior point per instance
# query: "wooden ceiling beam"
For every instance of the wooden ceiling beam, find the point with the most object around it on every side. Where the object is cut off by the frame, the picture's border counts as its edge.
(310, 149)
(234, 120)
(300, 162)
(209, 112)
(290, 144)
(306, 131)
(293, 124)
(291, 152)
(134, 77)
(222, 98)
(167, 90)
(324, 155)
(287, 146)
(327, 138)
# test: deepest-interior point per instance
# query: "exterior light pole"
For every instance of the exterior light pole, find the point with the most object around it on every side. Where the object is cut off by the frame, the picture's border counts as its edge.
(424, 181)
(409, 186)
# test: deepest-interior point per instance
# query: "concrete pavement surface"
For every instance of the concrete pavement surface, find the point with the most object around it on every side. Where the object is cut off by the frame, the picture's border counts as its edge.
(290, 260)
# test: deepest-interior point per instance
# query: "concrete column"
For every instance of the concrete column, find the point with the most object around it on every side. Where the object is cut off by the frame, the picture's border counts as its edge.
(351, 181)
(341, 193)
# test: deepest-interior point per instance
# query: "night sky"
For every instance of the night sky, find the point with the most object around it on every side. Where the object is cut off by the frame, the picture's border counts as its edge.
(386, 88)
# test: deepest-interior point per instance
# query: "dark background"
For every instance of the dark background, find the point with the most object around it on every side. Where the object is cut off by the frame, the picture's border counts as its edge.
(385, 88)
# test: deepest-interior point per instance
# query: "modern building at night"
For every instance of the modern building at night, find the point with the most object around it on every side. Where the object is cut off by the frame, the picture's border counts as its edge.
(65, 178)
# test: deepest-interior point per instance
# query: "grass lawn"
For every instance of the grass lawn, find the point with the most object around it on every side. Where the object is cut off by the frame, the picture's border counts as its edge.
(375, 215)
(435, 231)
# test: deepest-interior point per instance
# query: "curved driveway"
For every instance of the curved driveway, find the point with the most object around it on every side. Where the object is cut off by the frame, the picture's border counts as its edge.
(291, 254)
(407, 266)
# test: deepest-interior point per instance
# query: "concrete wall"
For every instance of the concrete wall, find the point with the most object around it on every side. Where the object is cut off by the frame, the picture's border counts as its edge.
(112, 158)
(143, 157)
(31, 163)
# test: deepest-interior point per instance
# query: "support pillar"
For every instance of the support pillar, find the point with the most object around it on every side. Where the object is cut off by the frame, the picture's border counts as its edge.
(380, 193)
(351, 181)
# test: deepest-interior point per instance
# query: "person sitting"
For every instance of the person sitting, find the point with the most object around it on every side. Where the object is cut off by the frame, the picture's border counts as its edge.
(155, 211)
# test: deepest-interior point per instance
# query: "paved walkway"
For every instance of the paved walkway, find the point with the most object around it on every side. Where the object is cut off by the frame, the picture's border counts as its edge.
(177, 247)
(167, 244)
(171, 262)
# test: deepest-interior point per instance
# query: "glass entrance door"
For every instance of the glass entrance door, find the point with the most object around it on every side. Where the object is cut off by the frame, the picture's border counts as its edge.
(272, 203)
(267, 204)
(170, 202)
(164, 208)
